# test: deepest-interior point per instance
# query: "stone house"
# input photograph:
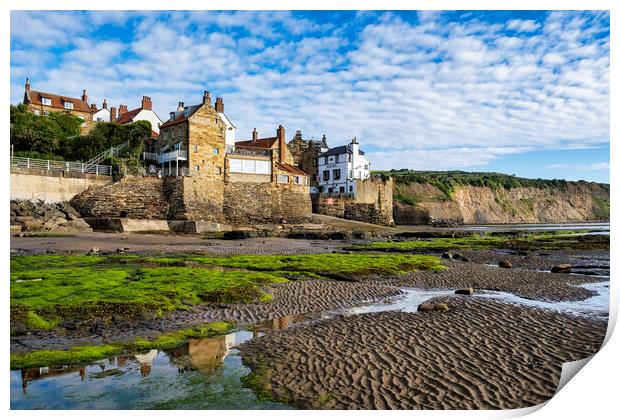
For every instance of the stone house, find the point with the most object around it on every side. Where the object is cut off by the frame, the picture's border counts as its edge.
(305, 154)
(42, 103)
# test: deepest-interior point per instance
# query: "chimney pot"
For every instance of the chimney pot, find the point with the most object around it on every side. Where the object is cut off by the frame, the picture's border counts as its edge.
(219, 104)
(84, 96)
(147, 103)
(105, 104)
(121, 110)
(181, 107)
(93, 107)
(281, 144)
(206, 97)
(254, 134)
(27, 84)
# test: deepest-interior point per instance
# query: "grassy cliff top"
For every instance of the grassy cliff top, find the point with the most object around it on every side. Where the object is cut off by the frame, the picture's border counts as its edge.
(446, 181)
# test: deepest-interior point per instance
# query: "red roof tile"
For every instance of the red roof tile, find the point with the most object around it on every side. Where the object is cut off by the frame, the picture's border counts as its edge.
(290, 168)
(127, 117)
(266, 143)
(58, 101)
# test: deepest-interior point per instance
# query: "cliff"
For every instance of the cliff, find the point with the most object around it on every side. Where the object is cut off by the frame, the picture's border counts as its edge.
(459, 197)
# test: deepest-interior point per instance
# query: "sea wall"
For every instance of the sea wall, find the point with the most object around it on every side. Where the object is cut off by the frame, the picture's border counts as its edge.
(373, 203)
(52, 186)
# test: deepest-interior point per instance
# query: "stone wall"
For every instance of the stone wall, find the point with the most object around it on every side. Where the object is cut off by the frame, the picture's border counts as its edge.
(131, 197)
(52, 186)
(247, 203)
(372, 203)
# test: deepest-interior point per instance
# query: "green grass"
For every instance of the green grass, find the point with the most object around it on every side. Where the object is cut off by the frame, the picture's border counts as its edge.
(543, 240)
(85, 354)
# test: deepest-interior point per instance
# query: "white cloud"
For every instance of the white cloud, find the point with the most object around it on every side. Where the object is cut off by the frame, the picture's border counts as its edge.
(439, 96)
(599, 166)
(522, 25)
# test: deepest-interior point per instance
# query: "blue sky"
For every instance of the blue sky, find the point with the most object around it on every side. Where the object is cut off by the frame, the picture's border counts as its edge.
(523, 93)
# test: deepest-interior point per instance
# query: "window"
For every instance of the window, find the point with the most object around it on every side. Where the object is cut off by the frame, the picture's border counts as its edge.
(46, 101)
(235, 165)
(282, 179)
(325, 160)
(350, 174)
(197, 168)
(216, 120)
(336, 173)
(297, 180)
(195, 148)
(249, 166)
(69, 105)
(81, 117)
(325, 175)
(336, 158)
(350, 156)
(99, 119)
(341, 189)
(218, 170)
(37, 112)
(366, 167)
(263, 167)
(350, 188)
(216, 151)
(46, 113)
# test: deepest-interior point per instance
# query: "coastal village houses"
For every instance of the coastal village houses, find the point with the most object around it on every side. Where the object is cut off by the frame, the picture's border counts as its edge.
(340, 168)
(144, 113)
(42, 103)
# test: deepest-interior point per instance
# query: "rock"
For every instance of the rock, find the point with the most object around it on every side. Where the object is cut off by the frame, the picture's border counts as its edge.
(505, 264)
(432, 307)
(93, 251)
(29, 223)
(561, 268)
(468, 291)
(457, 256)
(78, 225)
(524, 253)
(446, 256)
(465, 259)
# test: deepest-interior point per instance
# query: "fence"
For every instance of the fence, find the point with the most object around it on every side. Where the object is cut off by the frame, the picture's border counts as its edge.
(247, 151)
(57, 165)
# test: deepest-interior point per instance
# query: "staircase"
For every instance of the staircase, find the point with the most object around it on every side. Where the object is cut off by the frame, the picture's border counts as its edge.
(112, 151)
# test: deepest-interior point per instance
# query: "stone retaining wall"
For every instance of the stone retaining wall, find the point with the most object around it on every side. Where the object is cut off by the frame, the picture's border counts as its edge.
(52, 186)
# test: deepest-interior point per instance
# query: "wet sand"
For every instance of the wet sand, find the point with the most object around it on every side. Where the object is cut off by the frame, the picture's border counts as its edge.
(480, 354)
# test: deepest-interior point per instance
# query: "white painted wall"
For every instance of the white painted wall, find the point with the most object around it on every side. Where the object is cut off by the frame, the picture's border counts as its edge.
(231, 130)
(151, 116)
(357, 168)
(104, 114)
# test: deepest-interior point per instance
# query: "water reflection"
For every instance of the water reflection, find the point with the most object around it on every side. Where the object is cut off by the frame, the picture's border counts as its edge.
(204, 355)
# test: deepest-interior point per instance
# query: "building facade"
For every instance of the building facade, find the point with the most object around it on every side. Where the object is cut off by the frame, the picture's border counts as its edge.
(103, 114)
(144, 113)
(42, 103)
(340, 168)
(305, 154)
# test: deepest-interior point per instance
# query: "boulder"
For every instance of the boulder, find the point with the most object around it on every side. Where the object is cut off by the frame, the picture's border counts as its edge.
(29, 223)
(446, 256)
(561, 268)
(457, 256)
(505, 264)
(465, 259)
(468, 291)
(93, 251)
(432, 307)
(77, 225)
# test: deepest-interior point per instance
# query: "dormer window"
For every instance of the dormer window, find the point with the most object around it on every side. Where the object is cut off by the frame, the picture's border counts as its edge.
(69, 105)
(46, 101)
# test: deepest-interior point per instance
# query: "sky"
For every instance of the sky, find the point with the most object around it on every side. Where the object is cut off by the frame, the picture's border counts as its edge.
(518, 92)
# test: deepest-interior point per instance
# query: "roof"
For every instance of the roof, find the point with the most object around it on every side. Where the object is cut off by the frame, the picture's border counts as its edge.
(339, 151)
(290, 168)
(128, 116)
(58, 101)
(154, 135)
(225, 117)
(266, 143)
(179, 116)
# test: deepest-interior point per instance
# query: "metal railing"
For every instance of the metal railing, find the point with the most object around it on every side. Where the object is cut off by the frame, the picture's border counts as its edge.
(61, 166)
(247, 151)
(112, 151)
(170, 156)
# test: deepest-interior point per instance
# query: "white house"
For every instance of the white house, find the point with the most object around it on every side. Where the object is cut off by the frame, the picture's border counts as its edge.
(144, 113)
(231, 130)
(103, 114)
(340, 167)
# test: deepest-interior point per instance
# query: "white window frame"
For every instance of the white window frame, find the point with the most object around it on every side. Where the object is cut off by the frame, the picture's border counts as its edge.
(46, 101)
(68, 105)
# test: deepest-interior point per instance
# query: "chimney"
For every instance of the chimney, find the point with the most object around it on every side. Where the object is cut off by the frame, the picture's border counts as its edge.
(254, 135)
(181, 107)
(121, 110)
(297, 135)
(219, 105)
(354, 140)
(206, 98)
(146, 103)
(354, 148)
(281, 144)
(84, 96)
(93, 107)
(113, 114)
(27, 84)
(105, 104)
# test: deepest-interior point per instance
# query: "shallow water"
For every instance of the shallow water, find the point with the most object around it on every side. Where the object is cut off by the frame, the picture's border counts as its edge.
(206, 373)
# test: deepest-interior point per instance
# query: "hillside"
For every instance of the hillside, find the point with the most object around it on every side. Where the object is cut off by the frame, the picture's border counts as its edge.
(488, 197)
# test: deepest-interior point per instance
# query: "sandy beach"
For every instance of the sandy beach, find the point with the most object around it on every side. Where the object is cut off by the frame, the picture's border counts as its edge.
(480, 354)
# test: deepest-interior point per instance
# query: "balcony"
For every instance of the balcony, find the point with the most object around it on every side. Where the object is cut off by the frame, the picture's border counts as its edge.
(247, 151)
(172, 156)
